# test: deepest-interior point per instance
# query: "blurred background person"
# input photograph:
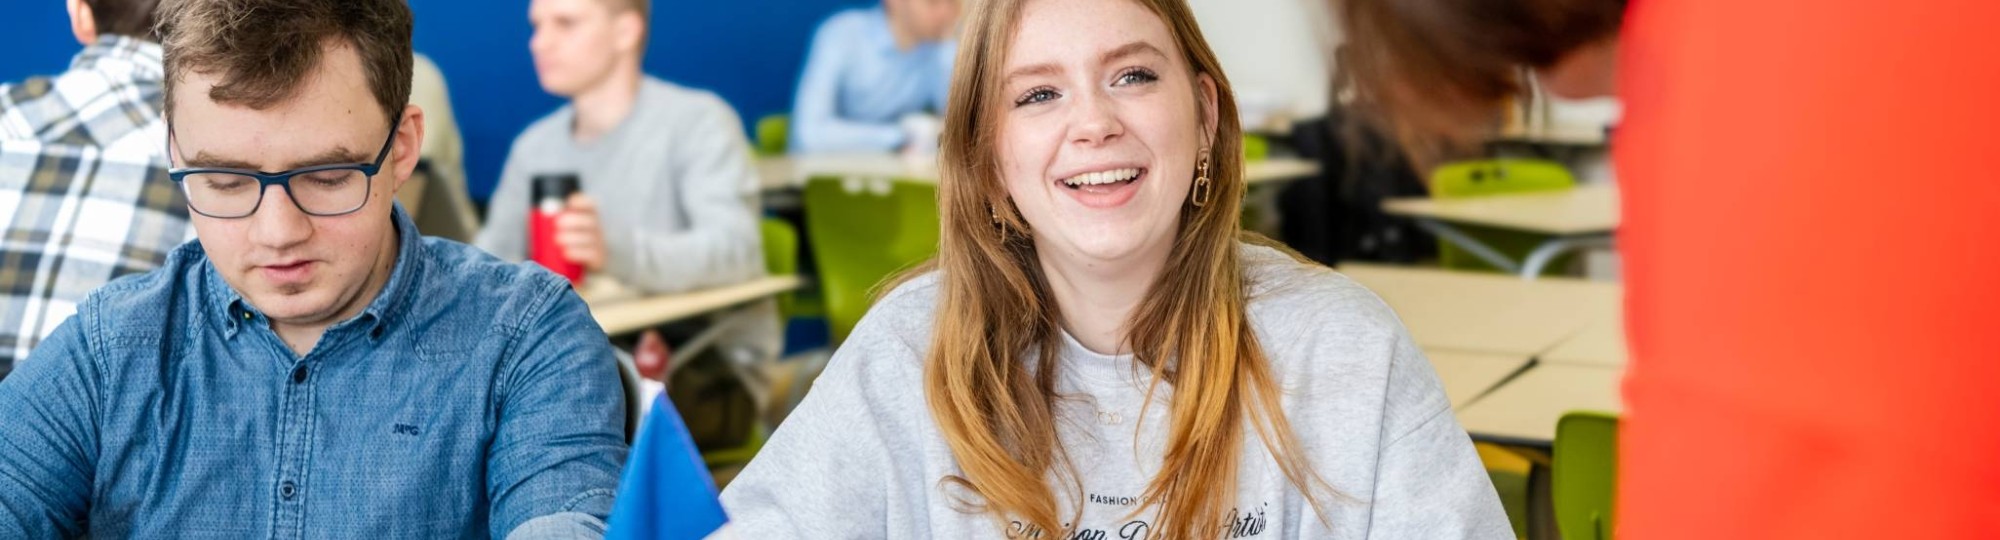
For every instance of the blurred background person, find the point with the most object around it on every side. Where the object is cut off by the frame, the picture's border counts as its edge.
(875, 79)
(669, 197)
(84, 194)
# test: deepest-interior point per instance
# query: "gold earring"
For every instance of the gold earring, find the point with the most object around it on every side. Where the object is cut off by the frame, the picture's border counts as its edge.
(994, 211)
(1201, 188)
(1005, 231)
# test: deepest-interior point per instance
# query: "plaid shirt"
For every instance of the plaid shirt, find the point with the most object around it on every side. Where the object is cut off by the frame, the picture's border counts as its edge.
(84, 192)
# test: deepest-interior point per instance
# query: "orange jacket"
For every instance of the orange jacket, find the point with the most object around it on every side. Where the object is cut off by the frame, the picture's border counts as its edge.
(1812, 255)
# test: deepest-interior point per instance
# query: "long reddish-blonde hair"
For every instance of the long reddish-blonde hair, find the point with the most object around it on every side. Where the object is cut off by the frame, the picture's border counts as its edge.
(996, 411)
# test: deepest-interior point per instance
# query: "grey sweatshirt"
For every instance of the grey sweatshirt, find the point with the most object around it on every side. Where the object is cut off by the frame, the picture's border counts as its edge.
(675, 190)
(861, 458)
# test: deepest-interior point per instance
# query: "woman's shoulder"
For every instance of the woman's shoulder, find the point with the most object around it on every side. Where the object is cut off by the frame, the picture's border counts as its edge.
(1307, 312)
(1332, 339)
(1280, 282)
(906, 309)
(895, 332)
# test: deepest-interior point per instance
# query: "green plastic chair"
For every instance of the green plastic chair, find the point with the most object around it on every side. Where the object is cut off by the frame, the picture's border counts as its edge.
(781, 257)
(773, 134)
(1498, 177)
(861, 237)
(1583, 474)
(1256, 148)
(1509, 471)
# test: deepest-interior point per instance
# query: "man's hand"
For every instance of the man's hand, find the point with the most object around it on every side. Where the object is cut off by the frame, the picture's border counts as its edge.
(580, 233)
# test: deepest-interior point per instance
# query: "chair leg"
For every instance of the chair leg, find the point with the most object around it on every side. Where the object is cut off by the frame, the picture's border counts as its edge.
(1541, 509)
(1531, 267)
(1469, 244)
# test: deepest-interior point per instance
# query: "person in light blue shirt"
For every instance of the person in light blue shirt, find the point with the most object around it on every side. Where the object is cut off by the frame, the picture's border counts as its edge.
(873, 76)
(310, 367)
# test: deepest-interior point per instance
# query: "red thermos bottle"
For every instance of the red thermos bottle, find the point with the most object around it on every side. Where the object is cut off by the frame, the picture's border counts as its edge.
(550, 195)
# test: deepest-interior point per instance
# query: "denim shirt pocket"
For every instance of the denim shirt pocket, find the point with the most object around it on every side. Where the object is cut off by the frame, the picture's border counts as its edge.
(407, 456)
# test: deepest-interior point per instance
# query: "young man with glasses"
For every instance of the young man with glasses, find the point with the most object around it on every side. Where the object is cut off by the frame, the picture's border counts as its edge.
(311, 366)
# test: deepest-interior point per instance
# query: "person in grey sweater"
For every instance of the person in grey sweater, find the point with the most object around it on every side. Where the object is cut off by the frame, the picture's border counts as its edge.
(669, 197)
(1098, 351)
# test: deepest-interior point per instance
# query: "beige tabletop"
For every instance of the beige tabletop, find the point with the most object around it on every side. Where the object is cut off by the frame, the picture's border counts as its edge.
(622, 311)
(1600, 344)
(1561, 135)
(1590, 209)
(1489, 313)
(783, 172)
(1525, 409)
(1468, 375)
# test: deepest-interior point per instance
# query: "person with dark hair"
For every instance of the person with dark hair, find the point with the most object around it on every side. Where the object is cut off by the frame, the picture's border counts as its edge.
(1436, 74)
(311, 366)
(84, 196)
(1808, 203)
(112, 18)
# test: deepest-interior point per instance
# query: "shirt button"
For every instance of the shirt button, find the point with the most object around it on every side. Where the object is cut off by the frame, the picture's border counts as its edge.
(287, 490)
(299, 374)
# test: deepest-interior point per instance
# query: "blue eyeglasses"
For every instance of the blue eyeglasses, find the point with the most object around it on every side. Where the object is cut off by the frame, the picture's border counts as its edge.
(319, 190)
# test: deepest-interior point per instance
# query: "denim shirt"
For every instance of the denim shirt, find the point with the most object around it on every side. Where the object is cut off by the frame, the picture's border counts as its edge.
(470, 397)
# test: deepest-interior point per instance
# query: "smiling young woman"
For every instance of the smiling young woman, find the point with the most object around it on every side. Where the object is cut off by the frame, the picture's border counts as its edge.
(1097, 351)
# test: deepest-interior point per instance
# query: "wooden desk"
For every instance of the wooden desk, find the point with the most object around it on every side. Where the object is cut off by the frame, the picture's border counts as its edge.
(1524, 411)
(791, 172)
(1591, 209)
(1467, 376)
(622, 311)
(1257, 173)
(1600, 344)
(1587, 136)
(1581, 217)
(1489, 313)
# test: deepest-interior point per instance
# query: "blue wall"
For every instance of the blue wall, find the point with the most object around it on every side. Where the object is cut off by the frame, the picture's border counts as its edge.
(34, 39)
(747, 51)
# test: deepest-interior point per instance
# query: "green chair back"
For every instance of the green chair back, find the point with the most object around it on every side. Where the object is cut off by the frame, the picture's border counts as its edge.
(773, 134)
(862, 236)
(1256, 148)
(1489, 177)
(781, 256)
(1499, 177)
(1583, 474)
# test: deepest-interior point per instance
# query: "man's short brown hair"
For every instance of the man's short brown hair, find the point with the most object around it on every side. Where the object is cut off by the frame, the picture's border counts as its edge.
(132, 18)
(644, 8)
(263, 50)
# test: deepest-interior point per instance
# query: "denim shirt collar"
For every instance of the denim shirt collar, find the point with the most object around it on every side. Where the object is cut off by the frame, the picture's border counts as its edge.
(391, 302)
